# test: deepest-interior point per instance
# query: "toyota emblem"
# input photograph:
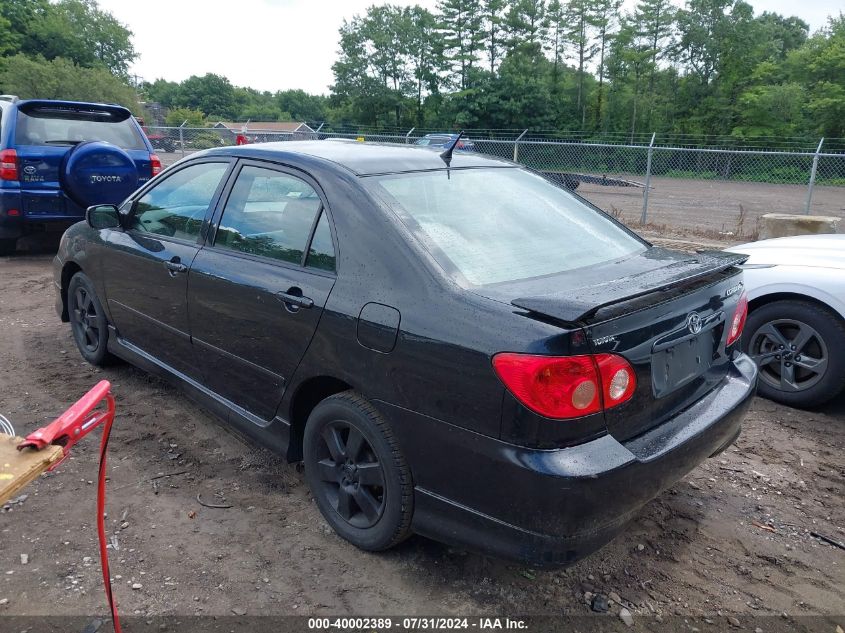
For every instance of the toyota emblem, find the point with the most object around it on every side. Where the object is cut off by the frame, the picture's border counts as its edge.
(694, 323)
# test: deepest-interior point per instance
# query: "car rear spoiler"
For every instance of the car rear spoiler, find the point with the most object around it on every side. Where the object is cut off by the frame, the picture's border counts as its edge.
(116, 112)
(580, 304)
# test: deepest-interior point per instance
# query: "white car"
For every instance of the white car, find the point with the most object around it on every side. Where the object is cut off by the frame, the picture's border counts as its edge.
(796, 322)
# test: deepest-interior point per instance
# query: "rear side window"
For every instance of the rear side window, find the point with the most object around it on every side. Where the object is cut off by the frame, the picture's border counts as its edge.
(499, 225)
(66, 126)
(321, 251)
(268, 213)
(177, 205)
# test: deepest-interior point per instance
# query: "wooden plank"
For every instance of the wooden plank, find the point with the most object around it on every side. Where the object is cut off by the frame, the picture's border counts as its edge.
(18, 468)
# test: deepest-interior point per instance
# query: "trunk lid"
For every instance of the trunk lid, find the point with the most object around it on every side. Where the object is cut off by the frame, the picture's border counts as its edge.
(664, 312)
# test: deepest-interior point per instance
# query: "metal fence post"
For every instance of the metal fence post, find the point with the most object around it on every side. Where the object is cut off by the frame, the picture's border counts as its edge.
(409, 134)
(182, 136)
(647, 179)
(813, 178)
(317, 131)
(516, 146)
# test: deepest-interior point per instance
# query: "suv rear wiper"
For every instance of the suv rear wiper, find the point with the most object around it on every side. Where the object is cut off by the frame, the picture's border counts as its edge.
(62, 142)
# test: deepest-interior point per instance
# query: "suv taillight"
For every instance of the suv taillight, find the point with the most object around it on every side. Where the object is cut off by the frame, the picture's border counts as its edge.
(8, 164)
(738, 320)
(564, 387)
(155, 164)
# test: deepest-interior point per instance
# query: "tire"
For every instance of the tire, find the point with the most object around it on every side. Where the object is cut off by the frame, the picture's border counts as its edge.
(366, 495)
(88, 321)
(7, 246)
(796, 345)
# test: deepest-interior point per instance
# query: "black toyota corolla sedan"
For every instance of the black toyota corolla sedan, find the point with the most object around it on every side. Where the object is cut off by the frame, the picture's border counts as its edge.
(463, 350)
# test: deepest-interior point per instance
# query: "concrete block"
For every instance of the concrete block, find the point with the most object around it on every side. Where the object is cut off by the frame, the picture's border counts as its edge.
(784, 225)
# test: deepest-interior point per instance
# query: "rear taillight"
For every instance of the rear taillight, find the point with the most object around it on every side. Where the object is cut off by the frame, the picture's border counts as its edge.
(155, 164)
(8, 165)
(617, 379)
(564, 387)
(738, 320)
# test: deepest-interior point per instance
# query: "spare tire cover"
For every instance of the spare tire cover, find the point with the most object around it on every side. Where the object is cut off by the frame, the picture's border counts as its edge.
(97, 172)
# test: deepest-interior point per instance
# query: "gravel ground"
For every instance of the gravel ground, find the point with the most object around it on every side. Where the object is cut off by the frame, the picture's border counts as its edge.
(729, 542)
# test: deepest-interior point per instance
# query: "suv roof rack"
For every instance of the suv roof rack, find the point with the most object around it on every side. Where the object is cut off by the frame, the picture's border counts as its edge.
(10, 98)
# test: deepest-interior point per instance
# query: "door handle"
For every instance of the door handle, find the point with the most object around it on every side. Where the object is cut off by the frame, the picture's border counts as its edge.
(175, 266)
(290, 299)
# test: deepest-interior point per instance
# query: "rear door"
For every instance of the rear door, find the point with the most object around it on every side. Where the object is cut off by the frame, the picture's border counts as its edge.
(257, 290)
(46, 132)
(146, 268)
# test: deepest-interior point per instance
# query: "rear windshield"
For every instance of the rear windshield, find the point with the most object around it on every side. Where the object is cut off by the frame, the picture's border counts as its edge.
(500, 224)
(64, 126)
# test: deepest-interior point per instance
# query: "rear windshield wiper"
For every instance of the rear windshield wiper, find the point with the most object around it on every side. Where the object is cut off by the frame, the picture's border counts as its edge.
(62, 142)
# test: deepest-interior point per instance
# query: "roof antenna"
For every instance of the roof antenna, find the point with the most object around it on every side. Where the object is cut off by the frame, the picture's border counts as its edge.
(446, 155)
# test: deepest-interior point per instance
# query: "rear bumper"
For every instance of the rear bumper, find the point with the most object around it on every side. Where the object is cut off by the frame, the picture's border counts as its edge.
(35, 211)
(553, 507)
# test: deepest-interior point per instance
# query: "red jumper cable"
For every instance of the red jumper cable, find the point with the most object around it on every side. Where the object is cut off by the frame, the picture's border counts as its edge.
(65, 431)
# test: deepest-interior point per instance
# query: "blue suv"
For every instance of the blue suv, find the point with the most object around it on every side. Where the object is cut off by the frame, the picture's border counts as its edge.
(59, 157)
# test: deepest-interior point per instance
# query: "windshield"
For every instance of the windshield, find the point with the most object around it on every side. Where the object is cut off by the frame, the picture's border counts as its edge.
(501, 224)
(49, 126)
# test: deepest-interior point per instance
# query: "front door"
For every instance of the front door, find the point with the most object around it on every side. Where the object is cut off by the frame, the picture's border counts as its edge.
(257, 290)
(147, 275)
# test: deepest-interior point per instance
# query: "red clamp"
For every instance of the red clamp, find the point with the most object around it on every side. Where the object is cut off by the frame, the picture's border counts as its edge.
(75, 423)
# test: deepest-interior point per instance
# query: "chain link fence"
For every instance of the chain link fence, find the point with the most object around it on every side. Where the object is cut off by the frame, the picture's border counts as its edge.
(704, 191)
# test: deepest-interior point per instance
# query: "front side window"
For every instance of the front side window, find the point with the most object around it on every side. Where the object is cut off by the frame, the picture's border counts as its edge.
(176, 207)
(269, 213)
(500, 224)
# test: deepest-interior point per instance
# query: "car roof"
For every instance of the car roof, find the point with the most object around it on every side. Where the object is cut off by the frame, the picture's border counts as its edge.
(363, 159)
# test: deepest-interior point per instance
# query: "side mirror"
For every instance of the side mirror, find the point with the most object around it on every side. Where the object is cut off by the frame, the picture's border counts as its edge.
(103, 216)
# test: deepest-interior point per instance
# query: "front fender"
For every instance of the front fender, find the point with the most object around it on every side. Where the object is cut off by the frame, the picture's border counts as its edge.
(825, 285)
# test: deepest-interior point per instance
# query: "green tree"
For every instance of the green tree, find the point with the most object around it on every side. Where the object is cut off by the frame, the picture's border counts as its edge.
(302, 106)
(492, 16)
(527, 26)
(212, 94)
(17, 18)
(463, 36)
(424, 53)
(580, 14)
(605, 20)
(772, 110)
(819, 65)
(558, 20)
(80, 31)
(38, 78)
(162, 91)
(178, 116)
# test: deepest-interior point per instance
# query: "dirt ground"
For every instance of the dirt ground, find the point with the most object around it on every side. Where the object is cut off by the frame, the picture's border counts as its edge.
(730, 541)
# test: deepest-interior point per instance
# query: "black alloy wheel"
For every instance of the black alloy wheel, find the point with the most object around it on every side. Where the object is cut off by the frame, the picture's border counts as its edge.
(85, 319)
(357, 473)
(351, 475)
(88, 320)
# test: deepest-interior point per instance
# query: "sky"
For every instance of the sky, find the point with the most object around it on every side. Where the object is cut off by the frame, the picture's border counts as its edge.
(280, 44)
